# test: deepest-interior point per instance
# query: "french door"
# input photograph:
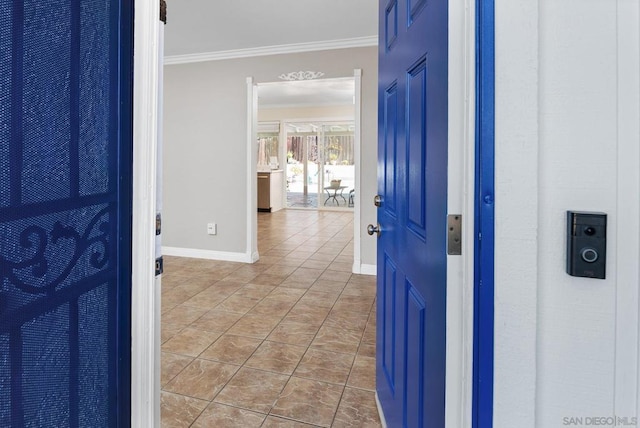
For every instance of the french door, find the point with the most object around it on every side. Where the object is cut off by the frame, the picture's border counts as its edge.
(321, 163)
(302, 168)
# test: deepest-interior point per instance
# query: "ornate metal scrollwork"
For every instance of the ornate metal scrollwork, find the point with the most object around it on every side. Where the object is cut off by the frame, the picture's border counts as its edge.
(38, 238)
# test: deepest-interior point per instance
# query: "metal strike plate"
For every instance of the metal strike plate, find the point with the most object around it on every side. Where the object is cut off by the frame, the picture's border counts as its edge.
(158, 224)
(454, 234)
(159, 266)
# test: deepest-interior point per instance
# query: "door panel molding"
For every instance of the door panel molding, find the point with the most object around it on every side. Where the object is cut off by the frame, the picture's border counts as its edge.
(416, 112)
(389, 322)
(391, 155)
(415, 309)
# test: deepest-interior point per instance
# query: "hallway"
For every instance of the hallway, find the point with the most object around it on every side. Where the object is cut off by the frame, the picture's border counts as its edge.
(286, 342)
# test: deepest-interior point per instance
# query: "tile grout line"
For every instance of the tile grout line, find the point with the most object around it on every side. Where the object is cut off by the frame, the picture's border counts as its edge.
(319, 244)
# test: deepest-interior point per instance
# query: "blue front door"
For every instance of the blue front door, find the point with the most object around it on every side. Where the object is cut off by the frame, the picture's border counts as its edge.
(412, 183)
(65, 212)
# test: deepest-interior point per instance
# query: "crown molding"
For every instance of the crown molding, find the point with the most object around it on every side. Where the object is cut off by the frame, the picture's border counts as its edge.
(272, 50)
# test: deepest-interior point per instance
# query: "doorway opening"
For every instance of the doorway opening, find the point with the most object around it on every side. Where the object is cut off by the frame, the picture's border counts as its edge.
(316, 125)
(332, 106)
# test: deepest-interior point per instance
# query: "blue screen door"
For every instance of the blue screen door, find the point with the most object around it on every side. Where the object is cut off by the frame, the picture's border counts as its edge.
(412, 183)
(65, 213)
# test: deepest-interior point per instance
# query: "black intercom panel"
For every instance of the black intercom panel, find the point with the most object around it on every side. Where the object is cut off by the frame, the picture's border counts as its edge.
(586, 244)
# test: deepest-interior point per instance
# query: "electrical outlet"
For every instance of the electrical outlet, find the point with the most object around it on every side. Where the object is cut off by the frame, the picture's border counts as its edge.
(212, 228)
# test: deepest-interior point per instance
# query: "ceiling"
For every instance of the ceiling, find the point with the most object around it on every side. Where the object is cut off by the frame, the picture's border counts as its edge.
(206, 27)
(322, 92)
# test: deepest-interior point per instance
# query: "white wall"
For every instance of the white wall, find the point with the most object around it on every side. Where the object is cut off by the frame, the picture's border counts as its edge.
(567, 138)
(205, 142)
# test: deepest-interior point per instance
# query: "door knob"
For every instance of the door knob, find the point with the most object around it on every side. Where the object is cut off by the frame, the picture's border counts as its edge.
(377, 200)
(371, 229)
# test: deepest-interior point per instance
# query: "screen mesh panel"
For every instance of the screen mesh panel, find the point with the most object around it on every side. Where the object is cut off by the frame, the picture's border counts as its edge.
(5, 382)
(94, 98)
(45, 100)
(93, 369)
(5, 98)
(65, 174)
(46, 364)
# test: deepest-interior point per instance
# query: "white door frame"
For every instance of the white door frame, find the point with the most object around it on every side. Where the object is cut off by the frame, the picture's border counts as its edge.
(357, 207)
(252, 171)
(145, 328)
(144, 380)
(460, 200)
(627, 247)
(252, 192)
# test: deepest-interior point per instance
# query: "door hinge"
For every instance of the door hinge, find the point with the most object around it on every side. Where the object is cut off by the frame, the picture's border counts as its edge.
(454, 234)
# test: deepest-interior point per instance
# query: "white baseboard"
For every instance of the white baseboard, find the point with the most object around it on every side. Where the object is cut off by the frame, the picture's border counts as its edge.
(355, 268)
(363, 269)
(210, 255)
(368, 269)
(383, 421)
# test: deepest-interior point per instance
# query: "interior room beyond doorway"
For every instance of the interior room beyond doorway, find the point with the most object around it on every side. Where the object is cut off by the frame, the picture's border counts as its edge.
(314, 124)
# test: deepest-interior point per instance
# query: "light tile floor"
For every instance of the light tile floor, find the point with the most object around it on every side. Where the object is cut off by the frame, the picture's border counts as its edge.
(300, 200)
(286, 342)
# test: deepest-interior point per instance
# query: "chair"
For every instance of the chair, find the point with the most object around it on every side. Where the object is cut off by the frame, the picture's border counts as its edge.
(352, 193)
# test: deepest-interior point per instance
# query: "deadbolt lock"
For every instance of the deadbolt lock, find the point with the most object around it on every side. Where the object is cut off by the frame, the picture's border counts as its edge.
(377, 201)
